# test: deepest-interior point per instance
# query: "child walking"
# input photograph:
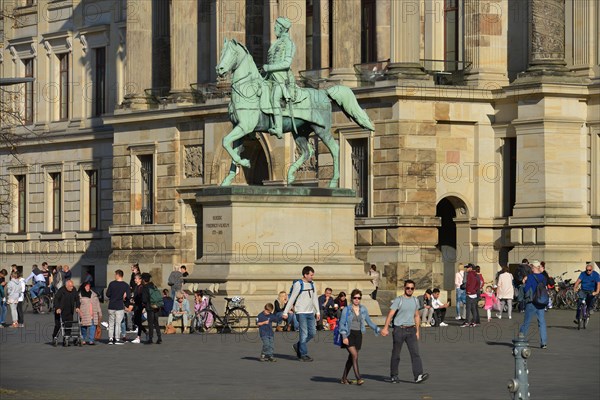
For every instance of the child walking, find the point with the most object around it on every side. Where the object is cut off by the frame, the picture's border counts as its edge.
(265, 329)
(490, 300)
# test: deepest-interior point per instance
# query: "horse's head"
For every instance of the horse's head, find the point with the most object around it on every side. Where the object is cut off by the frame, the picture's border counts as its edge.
(229, 57)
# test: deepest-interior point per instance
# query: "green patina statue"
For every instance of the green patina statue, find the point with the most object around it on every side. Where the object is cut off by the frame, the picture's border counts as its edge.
(255, 100)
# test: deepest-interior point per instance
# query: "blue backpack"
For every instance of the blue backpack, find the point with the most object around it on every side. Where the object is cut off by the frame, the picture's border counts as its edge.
(540, 296)
(312, 287)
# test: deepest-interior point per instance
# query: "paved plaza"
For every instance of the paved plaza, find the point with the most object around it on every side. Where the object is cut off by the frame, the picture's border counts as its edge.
(473, 363)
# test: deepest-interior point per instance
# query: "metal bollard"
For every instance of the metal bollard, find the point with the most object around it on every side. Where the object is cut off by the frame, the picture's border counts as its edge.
(519, 385)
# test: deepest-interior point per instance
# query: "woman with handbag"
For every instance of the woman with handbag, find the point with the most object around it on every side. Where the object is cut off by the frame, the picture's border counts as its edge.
(351, 327)
(90, 313)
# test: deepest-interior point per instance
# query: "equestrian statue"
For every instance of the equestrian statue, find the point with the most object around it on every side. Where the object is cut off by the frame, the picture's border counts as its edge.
(256, 106)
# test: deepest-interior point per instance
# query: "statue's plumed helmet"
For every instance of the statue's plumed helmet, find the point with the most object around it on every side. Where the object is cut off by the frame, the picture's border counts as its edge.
(283, 21)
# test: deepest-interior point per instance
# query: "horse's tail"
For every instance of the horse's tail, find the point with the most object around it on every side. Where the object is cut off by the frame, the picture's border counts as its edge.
(344, 97)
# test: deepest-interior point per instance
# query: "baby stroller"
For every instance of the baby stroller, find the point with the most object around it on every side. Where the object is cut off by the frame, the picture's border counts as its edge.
(70, 331)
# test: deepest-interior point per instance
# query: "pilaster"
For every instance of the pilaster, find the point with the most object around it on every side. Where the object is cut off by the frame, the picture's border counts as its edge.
(346, 40)
(184, 48)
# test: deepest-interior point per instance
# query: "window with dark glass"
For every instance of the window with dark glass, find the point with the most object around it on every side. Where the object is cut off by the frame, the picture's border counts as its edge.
(56, 201)
(255, 30)
(93, 199)
(21, 202)
(368, 37)
(64, 85)
(147, 172)
(509, 175)
(100, 82)
(360, 174)
(28, 91)
(451, 32)
(309, 35)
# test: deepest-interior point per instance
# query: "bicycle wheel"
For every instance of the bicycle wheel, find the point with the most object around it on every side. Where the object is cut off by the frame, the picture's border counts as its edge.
(571, 299)
(238, 320)
(205, 322)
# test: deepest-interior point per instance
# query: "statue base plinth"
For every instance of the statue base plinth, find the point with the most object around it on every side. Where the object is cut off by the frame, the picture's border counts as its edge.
(256, 240)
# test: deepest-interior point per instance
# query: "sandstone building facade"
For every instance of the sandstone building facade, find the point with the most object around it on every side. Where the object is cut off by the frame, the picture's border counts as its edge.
(486, 145)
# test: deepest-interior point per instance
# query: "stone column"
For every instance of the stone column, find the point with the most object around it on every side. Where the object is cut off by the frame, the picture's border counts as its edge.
(184, 47)
(406, 40)
(321, 34)
(582, 37)
(230, 23)
(139, 55)
(486, 40)
(346, 40)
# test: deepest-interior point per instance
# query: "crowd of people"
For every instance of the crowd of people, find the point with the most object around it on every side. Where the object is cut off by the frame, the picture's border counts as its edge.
(301, 310)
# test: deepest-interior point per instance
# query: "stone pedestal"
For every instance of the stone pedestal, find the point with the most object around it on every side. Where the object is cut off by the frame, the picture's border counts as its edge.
(256, 240)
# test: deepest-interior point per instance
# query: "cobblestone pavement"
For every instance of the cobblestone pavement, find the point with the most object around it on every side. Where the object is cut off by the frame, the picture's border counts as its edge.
(473, 363)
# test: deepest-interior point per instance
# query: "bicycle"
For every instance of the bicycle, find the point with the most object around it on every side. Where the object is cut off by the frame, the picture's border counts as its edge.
(235, 320)
(566, 296)
(45, 303)
(583, 310)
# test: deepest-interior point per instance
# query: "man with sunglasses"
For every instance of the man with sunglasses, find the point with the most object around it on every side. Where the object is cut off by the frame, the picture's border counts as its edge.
(590, 287)
(405, 313)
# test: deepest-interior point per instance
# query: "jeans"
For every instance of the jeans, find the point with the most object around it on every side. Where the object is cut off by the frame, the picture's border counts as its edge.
(14, 313)
(88, 332)
(115, 317)
(530, 310)
(268, 346)
(508, 303)
(2, 311)
(178, 316)
(472, 310)
(308, 330)
(408, 335)
(35, 289)
(459, 301)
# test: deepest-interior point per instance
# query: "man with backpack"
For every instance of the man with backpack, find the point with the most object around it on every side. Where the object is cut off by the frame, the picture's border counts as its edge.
(523, 270)
(536, 300)
(117, 292)
(152, 300)
(405, 313)
(304, 299)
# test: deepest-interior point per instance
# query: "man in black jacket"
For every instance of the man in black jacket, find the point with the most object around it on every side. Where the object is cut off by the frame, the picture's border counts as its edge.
(66, 303)
(152, 313)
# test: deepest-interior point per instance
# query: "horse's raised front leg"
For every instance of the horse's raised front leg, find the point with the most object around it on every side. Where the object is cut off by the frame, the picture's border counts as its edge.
(235, 134)
(306, 153)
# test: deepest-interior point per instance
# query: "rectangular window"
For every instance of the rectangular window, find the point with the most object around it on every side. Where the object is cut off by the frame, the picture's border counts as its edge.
(21, 203)
(368, 51)
(360, 174)
(451, 33)
(28, 64)
(56, 201)
(147, 172)
(309, 34)
(93, 203)
(509, 177)
(100, 82)
(64, 86)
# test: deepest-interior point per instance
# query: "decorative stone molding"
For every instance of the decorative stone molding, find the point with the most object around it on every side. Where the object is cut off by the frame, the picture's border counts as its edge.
(194, 161)
(69, 42)
(84, 43)
(48, 47)
(547, 32)
(13, 53)
(33, 49)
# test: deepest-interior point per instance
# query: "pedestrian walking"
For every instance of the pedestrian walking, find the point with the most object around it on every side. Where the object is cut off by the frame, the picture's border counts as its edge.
(405, 313)
(91, 313)
(304, 301)
(66, 304)
(117, 293)
(352, 327)
(529, 287)
(264, 321)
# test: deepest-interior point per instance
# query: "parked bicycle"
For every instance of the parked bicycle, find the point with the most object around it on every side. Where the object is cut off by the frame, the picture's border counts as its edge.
(45, 303)
(235, 320)
(565, 296)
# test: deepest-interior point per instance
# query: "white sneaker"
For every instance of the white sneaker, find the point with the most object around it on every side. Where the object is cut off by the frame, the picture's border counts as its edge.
(499, 316)
(104, 324)
(136, 340)
(457, 317)
(443, 324)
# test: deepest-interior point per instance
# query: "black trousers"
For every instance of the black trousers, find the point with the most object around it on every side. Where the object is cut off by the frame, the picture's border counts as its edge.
(439, 315)
(400, 336)
(137, 320)
(20, 312)
(67, 320)
(153, 323)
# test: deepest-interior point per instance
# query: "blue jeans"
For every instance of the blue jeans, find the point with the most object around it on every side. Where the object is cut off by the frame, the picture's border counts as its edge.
(268, 346)
(35, 289)
(2, 311)
(540, 313)
(460, 293)
(308, 329)
(292, 320)
(88, 332)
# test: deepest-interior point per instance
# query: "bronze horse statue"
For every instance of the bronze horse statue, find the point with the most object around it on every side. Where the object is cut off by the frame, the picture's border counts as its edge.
(250, 111)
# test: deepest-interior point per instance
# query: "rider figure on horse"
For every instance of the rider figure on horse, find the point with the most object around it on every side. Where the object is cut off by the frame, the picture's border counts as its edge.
(279, 72)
